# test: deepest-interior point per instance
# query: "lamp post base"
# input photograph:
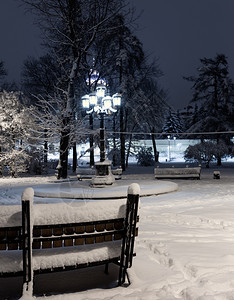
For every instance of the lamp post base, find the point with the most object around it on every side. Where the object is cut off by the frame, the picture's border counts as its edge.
(103, 174)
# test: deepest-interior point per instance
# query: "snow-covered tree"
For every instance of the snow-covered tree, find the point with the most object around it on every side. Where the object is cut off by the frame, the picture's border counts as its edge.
(70, 28)
(14, 119)
(206, 152)
(213, 90)
(213, 86)
(118, 57)
(151, 106)
(173, 123)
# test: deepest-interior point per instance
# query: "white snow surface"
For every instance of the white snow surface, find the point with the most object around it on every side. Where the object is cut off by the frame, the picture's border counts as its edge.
(134, 189)
(28, 194)
(185, 247)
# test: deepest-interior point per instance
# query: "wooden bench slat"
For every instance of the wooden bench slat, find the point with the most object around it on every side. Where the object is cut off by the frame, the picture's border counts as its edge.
(3, 246)
(68, 243)
(36, 245)
(79, 229)
(58, 231)
(46, 244)
(107, 221)
(69, 230)
(109, 226)
(79, 242)
(100, 227)
(99, 239)
(13, 246)
(77, 236)
(89, 228)
(57, 244)
(46, 232)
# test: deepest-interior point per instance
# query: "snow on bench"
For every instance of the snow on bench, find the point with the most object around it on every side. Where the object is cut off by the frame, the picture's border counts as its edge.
(192, 172)
(44, 238)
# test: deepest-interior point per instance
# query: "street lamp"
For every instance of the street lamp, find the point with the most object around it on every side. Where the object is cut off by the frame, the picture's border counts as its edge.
(100, 103)
(169, 147)
(174, 138)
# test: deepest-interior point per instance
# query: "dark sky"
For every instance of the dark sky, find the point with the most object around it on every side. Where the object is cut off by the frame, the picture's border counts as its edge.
(19, 37)
(177, 32)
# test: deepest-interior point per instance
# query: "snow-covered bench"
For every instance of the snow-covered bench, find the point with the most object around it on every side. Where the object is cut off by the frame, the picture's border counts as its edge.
(46, 242)
(88, 173)
(188, 172)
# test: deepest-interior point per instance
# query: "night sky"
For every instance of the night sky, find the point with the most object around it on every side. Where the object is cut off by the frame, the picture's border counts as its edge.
(176, 32)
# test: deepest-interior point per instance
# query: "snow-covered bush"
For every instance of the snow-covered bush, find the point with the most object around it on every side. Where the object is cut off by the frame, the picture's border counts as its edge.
(35, 165)
(16, 161)
(206, 152)
(145, 157)
(115, 154)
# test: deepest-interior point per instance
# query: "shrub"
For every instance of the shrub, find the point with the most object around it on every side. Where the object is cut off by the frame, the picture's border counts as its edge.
(206, 152)
(145, 157)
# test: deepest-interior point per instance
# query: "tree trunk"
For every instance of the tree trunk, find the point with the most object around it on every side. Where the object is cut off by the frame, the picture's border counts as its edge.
(45, 156)
(64, 144)
(128, 151)
(74, 160)
(122, 140)
(156, 153)
(219, 161)
(114, 144)
(91, 157)
(65, 133)
(129, 145)
(102, 139)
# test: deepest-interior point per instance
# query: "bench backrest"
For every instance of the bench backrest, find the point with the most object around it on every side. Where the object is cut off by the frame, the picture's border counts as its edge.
(64, 235)
(181, 171)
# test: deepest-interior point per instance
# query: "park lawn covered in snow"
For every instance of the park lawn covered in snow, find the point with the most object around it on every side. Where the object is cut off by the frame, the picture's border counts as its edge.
(185, 247)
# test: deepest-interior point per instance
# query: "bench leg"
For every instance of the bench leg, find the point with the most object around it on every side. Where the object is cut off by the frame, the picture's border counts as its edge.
(27, 248)
(107, 268)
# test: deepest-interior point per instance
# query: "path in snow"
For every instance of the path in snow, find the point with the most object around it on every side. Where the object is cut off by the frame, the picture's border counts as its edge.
(189, 237)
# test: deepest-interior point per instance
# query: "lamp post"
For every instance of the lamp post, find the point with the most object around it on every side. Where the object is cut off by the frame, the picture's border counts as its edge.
(174, 138)
(169, 147)
(101, 104)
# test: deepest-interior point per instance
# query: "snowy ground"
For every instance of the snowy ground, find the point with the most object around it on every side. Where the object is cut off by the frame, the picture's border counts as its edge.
(185, 247)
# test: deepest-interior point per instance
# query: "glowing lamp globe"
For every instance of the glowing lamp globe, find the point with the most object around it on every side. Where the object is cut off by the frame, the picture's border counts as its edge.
(85, 101)
(93, 99)
(116, 99)
(107, 102)
(101, 90)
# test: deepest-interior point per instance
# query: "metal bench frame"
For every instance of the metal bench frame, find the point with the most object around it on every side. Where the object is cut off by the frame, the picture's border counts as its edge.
(26, 238)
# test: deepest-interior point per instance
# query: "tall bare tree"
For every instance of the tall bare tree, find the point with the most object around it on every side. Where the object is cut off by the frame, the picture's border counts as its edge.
(69, 28)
